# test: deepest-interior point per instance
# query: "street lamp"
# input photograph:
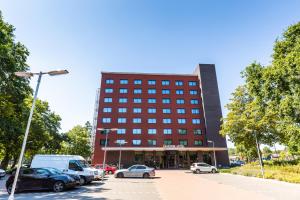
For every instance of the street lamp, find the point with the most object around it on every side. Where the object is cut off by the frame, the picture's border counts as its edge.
(215, 159)
(120, 143)
(106, 135)
(28, 75)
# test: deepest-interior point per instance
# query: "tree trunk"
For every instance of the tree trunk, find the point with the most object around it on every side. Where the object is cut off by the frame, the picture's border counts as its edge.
(5, 160)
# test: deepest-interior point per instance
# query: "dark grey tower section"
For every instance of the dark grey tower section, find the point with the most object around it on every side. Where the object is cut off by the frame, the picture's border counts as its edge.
(212, 109)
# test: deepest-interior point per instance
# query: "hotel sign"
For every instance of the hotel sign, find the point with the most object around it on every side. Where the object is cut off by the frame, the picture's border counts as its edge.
(173, 146)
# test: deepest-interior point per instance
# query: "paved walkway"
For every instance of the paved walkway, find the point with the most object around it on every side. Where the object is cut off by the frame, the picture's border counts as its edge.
(173, 185)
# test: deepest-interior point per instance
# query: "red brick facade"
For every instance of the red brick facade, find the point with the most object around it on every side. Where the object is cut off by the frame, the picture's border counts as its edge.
(191, 94)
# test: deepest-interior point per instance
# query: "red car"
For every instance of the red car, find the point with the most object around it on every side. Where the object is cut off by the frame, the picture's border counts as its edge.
(108, 169)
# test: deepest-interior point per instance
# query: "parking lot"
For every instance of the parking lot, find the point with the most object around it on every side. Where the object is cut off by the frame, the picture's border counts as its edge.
(172, 185)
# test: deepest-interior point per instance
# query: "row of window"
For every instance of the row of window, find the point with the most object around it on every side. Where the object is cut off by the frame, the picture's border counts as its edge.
(152, 142)
(150, 91)
(151, 82)
(151, 100)
(123, 120)
(166, 131)
(152, 110)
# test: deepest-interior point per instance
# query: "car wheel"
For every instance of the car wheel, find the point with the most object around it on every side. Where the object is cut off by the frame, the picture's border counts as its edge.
(82, 180)
(58, 186)
(198, 171)
(120, 175)
(213, 171)
(146, 175)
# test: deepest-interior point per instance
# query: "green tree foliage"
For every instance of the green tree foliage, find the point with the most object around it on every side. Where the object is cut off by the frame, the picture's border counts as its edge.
(15, 103)
(268, 104)
(77, 141)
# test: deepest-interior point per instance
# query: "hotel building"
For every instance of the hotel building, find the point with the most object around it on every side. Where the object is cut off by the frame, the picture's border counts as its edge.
(166, 120)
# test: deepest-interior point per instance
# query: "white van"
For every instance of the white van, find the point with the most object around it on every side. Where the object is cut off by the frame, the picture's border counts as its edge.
(69, 164)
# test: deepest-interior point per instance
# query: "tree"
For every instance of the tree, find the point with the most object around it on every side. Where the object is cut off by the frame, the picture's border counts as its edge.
(77, 142)
(268, 104)
(15, 103)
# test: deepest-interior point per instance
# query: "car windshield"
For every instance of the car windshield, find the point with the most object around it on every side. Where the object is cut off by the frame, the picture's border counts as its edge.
(54, 171)
(82, 163)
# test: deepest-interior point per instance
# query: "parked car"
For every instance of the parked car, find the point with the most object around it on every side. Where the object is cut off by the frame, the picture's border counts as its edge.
(2, 173)
(136, 171)
(41, 179)
(69, 164)
(57, 171)
(202, 167)
(237, 163)
(108, 169)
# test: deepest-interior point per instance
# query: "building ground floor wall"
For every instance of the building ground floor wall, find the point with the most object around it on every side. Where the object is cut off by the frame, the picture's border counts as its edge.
(162, 159)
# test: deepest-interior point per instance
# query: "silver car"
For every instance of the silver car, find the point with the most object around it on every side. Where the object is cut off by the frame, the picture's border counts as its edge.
(202, 167)
(136, 171)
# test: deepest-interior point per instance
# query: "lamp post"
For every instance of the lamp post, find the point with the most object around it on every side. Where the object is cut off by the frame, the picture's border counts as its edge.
(20, 161)
(215, 159)
(120, 143)
(105, 145)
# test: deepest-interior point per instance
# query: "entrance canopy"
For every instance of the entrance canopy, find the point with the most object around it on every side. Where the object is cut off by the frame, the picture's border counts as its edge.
(165, 148)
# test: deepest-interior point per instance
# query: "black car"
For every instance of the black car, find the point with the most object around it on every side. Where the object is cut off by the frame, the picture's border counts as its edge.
(41, 179)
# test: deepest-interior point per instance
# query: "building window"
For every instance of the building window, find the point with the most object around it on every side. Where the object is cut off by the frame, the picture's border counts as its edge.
(194, 101)
(168, 142)
(137, 100)
(137, 82)
(181, 121)
(137, 110)
(197, 132)
(179, 83)
(137, 120)
(106, 120)
(151, 142)
(198, 142)
(165, 91)
(108, 90)
(123, 81)
(123, 91)
(102, 142)
(121, 141)
(107, 110)
(123, 100)
(192, 83)
(152, 100)
(167, 121)
(107, 100)
(166, 101)
(193, 92)
(137, 131)
(166, 110)
(195, 111)
(165, 82)
(109, 81)
(137, 91)
(152, 121)
(183, 142)
(179, 101)
(179, 92)
(167, 131)
(180, 110)
(122, 110)
(151, 110)
(122, 120)
(195, 121)
(152, 131)
(151, 82)
(136, 142)
(182, 131)
(151, 91)
(121, 131)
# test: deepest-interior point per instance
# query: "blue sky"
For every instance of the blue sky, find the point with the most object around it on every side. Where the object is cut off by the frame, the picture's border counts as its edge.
(87, 37)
